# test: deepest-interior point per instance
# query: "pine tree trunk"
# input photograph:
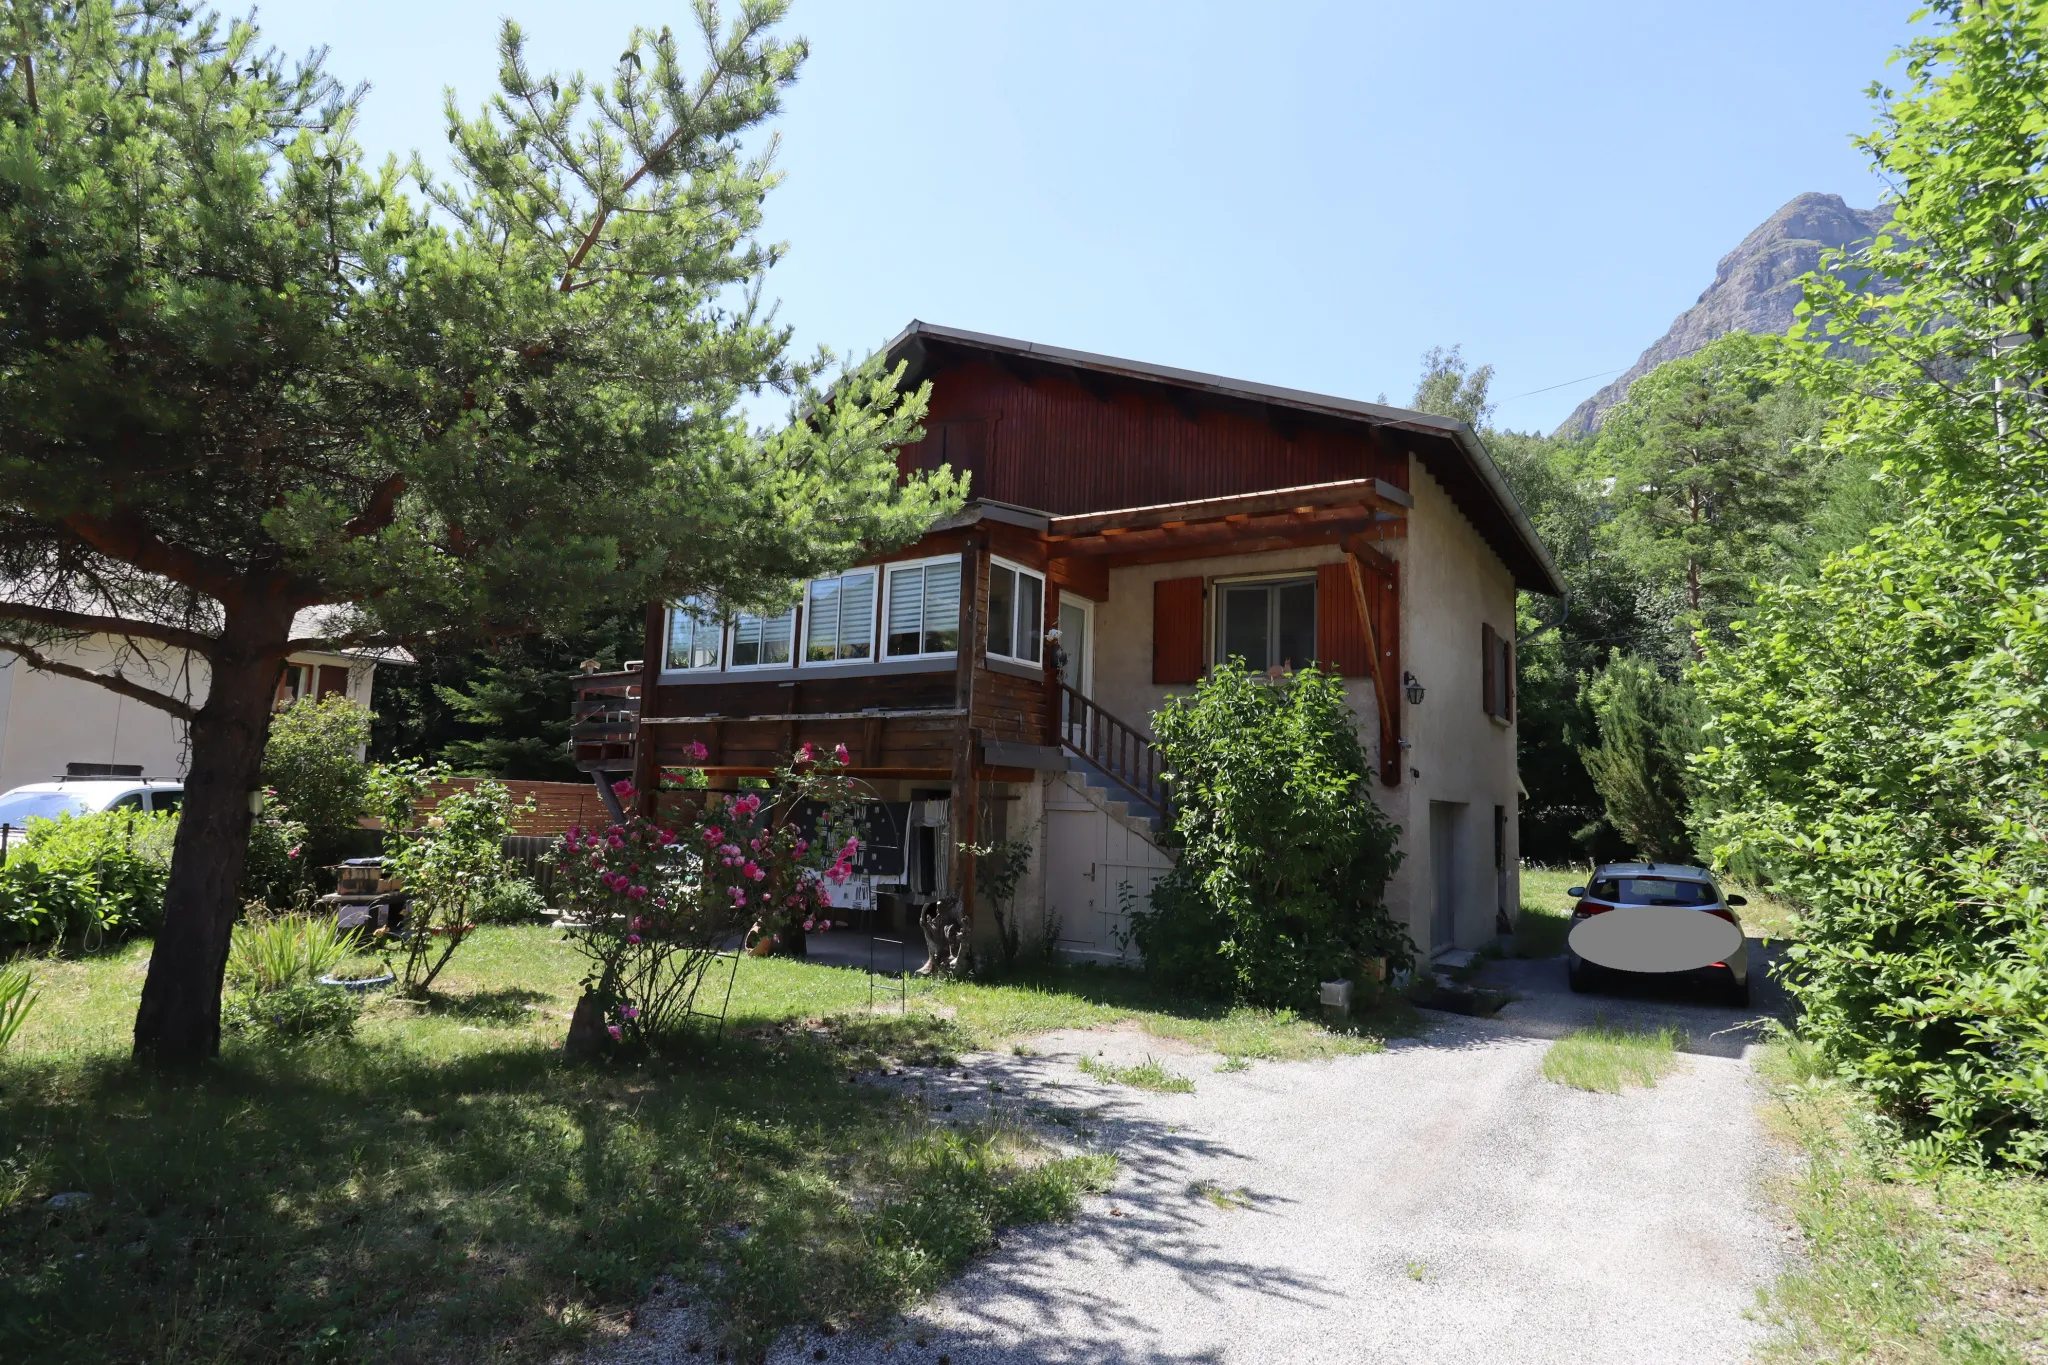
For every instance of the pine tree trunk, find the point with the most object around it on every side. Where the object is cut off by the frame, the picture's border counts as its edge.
(179, 1021)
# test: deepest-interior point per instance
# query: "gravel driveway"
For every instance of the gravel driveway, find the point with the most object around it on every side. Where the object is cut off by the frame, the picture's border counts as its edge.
(1439, 1202)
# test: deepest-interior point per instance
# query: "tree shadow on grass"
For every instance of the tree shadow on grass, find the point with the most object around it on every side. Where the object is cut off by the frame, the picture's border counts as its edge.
(504, 1006)
(371, 1201)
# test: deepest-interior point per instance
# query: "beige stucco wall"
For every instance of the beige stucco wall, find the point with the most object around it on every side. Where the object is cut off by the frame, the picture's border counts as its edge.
(1451, 583)
(47, 721)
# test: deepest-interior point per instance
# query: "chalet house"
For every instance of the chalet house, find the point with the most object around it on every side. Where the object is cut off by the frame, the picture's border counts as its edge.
(1160, 521)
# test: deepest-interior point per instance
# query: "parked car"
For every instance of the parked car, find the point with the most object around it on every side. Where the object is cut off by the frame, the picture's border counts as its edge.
(1623, 888)
(87, 795)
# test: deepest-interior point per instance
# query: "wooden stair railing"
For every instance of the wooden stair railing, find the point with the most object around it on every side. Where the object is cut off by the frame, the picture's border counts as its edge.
(1114, 746)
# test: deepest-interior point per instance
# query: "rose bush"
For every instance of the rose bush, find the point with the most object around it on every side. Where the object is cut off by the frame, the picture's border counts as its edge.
(655, 900)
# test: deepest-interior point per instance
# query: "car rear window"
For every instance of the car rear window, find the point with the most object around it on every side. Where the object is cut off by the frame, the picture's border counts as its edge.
(1653, 891)
(18, 808)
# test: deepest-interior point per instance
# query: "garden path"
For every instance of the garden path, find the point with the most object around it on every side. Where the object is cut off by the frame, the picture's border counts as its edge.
(1438, 1202)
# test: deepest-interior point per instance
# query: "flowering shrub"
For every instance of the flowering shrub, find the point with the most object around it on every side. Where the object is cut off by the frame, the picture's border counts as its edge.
(452, 863)
(655, 902)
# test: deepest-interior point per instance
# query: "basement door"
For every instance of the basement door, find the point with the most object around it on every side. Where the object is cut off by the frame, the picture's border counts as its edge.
(1446, 819)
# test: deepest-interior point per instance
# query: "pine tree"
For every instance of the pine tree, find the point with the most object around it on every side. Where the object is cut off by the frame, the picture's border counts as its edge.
(245, 374)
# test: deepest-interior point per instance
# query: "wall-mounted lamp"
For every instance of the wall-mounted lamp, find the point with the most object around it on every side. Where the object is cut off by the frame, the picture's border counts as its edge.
(1413, 687)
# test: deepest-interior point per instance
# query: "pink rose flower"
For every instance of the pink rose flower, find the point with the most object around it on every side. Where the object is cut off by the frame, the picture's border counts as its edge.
(803, 755)
(713, 834)
(618, 1034)
(623, 790)
(637, 893)
(839, 754)
(807, 925)
(698, 751)
(629, 1012)
(633, 938)
(739, 897)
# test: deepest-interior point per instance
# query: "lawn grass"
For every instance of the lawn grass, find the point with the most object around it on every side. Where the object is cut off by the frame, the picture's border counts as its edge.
(1951, 1267)
(1546, 913)
(1149, 1074)
(1609, 1059)
(446, 1185)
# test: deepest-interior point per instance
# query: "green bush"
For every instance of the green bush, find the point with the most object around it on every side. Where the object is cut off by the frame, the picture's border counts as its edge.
(1282, 856)
(513, 901)
(86, 880)
(293, 1013)
(311, 765)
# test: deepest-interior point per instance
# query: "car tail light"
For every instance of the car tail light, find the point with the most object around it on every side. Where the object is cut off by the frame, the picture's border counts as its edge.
(1590, 908)
(1723, 912)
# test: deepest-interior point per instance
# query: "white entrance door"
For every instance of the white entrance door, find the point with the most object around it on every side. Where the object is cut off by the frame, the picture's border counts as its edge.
(1077, 638)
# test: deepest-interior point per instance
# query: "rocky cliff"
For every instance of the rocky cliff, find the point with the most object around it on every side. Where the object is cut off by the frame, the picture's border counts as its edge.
(1754, 290)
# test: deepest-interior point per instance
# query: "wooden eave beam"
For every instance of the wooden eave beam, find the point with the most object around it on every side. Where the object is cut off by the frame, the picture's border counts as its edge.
(1351, 492)
(1117, 542)
(1239, 544)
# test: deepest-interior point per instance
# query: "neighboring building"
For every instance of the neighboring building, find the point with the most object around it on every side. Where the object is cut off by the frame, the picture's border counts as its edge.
(48, 721)
(1160, 520)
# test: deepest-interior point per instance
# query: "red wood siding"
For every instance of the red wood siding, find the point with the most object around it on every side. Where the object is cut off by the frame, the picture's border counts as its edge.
(1177, 630)
(1340, 632)
(1053, 445)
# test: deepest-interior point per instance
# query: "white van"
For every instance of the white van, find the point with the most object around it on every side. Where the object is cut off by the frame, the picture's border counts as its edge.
(87, 788)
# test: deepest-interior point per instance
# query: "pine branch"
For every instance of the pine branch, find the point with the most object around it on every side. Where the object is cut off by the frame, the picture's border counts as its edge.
(113, 682)
(92, 624)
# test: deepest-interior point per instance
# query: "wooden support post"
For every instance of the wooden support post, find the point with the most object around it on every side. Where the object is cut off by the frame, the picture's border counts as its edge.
(1382, 645)
(871, 742)
(646, 762)
(966, 757)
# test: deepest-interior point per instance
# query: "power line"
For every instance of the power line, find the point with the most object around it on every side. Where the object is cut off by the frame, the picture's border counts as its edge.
(1567, 384)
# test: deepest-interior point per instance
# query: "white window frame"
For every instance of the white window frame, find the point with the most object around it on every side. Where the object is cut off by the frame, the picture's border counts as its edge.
(803, 650)
(731, 642)
(1219, 597)
(1018, 634)
(888, 597)
(699, 610)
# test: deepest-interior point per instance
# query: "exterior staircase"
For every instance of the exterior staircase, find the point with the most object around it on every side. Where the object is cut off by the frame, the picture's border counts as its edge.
(1114, 757)
(1117, 798)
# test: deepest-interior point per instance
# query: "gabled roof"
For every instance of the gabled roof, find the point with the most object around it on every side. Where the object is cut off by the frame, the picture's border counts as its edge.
(1452, 452)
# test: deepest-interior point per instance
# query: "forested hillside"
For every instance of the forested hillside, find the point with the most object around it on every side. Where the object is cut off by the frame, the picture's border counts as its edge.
(1807, 633)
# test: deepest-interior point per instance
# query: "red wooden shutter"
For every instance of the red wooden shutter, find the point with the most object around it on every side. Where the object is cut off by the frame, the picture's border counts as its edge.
(1177, 630)
(1340, 631)
(1507, 677)
(1489, 670)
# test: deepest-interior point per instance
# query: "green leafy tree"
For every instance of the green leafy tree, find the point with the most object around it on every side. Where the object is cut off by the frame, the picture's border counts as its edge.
(1648, 727)
(1282, 858)
(1878, 738)
(313, 761)
(246, 374)
(1450, 388)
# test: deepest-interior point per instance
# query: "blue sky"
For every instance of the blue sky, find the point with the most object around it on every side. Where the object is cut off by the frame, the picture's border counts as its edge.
(1303, 194)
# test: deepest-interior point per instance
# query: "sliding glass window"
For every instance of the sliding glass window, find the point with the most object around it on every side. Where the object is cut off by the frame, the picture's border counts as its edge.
(924, 608)
(839, 620)
(694, 635)
(763, 642)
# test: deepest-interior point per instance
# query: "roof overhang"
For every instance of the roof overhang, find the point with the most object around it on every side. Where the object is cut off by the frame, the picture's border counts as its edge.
(1451, 451)
(1245, 523)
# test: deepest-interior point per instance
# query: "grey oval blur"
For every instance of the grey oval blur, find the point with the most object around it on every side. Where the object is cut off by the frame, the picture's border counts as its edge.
(1655, 938)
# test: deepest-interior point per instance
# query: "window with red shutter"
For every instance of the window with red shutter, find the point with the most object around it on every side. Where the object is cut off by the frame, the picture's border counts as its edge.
(1177, 630)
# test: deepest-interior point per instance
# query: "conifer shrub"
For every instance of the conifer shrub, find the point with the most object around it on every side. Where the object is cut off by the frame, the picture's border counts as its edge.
(1282, 857)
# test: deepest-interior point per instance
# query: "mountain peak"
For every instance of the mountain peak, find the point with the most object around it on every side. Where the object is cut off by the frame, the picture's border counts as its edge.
(1755, 289)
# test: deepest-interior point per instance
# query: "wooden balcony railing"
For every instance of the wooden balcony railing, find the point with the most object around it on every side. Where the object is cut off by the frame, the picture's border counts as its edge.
(603, 719)
(1117, 748)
